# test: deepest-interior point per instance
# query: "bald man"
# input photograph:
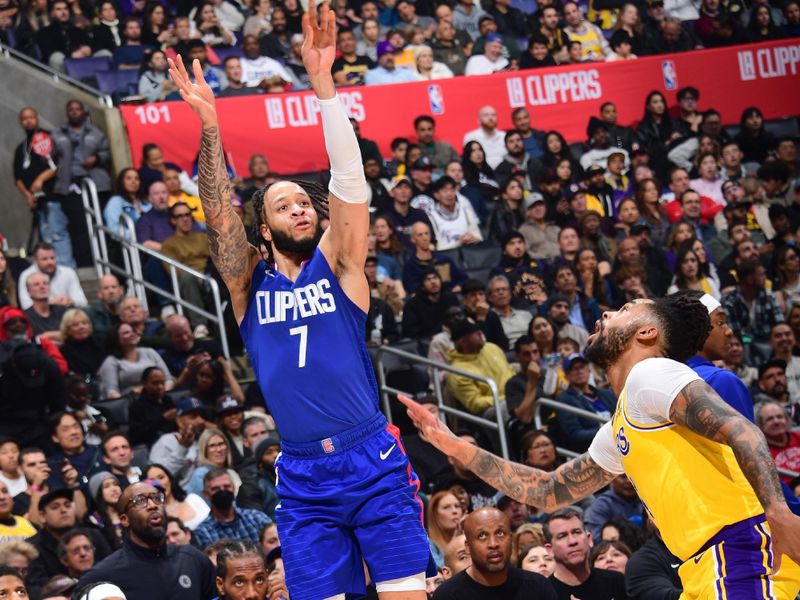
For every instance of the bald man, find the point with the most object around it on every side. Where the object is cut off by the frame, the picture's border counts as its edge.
(487, 534)
(104, 313)
(146, 567)
(456, 556)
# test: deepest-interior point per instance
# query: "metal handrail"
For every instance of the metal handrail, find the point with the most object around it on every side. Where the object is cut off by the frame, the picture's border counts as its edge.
(437, 367)
(132, 250)
(56, 75)
(537, 416)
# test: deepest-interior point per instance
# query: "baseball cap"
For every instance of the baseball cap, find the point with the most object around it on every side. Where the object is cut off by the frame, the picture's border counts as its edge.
(399, 180)
(594, 169)
(638, 228)
(533, 198)
(12, 312)
(573, 190)
(100, 591)
(556, 298)
(462, 328)
(188, 405)
(385, 47)
(56, 494)
(771, 363)
(571, 359)
(227, 405)
(423, 162)
(494, 37)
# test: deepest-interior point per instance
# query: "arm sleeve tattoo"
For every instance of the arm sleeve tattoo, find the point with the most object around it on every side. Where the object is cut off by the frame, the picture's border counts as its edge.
(700, 409)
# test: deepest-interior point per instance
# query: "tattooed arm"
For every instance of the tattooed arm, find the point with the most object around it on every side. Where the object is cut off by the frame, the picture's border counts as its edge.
(230, 251)
(699, 408)
(545, 490)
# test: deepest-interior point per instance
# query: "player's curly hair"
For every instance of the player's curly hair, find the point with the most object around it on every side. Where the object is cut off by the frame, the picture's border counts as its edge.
(685, 325)
(319, 199)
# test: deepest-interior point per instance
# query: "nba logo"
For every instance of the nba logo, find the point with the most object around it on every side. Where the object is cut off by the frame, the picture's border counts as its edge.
(670, 75)
(327, 446)
(436, 98)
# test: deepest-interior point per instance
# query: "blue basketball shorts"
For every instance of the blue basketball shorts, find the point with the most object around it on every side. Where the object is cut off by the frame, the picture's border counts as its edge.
(343, 499)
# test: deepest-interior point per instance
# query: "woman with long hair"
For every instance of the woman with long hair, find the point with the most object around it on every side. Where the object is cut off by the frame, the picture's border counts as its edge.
(389, 248)
(213, 452)
(370, 36)
(629, 215)
(761, 27)
(121, 371)
(537, 558)
(155, 29)
(679, 233)
(688, 275)
(523, 537)
(592, 283)
(83, 353)
(506, 216)
(128, 199)
(648, 200)
(105, 32)
(154, 166)
(555, 150)
(786, 285)
(154, 83)
(735, 363)
(259, 23)
(478, 173)
(753, 138)
(655, 131)
(8, 286)
(611, 555)
(564, 173)
(707, 268)
(191, 509)
(210, 380)
(708, 182)
(426, 68)
(206, 27)
(105, 491)
(630, 22)
(543, 334)
(538, 450)
(443, 517)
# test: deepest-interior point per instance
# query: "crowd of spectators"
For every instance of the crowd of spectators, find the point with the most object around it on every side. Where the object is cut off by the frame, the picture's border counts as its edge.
(252, 47)
(124, 429)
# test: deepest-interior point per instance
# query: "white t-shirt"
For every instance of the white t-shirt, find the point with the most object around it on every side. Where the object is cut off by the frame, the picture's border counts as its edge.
(15, 486)
(651, 387)
(479, 64)
(263, 67)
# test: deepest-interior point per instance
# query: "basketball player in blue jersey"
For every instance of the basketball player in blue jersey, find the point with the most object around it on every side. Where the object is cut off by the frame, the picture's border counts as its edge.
(347, 490)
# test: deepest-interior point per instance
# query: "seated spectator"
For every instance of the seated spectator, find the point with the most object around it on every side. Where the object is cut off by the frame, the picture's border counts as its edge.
(235, 86)
(784, 444)
(8, 285)
(105, 491)
(782, 342)
(621, 500)
(105, 34)
(183, 346)
(155, 226)
(12, 527)
(44, 317)
(448, 48)
(538, 54)
(753, 138)
(259, 22)
(444, 515)
(350, 68)
(210, 22)
(472, 353)
(401, 215)
(570, 543)
(83, 353)
(772, 387)
(490, 139)
(536, 558)
(178, 451)
(442, 342)
(492, 59)
(61, 40)
(541, 236)
(191, 509)
(208, 379)
(131, 53)
(213, 452)
(735, 363)
(75, 459)
(791, 13)
(258, 491)
(426, 68)
(95, 422)
(277, 43)
(152, 411)
(522, 391)
(507, 213)
(517, 161)
(59, 516)
(454, 220)
(611, 555)
(583, 311)
(593, 283)
(477, 308)
(387, 71)
(10, 473)
(621, 47)
(523, 272)
(424, 312)
(514, 321)
(121, 371)
(262, 72)
(128, 199)
(105, 312)
(424, 257)
(65, 288)
(689, 274)
(569, 430)
(226, 520)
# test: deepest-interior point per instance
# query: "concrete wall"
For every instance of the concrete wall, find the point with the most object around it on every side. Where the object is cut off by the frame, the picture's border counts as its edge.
(26, 86)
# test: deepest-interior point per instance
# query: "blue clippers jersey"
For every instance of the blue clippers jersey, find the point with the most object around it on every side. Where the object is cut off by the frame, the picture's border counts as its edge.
(306, 344)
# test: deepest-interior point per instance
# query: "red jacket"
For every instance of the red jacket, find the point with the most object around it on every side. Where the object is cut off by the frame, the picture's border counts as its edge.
(10, 312)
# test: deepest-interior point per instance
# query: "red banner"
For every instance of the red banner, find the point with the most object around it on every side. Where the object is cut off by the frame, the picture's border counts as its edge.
(286, 127)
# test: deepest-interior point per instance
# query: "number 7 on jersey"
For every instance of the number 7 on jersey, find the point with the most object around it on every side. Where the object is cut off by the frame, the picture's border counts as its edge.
(302, 331)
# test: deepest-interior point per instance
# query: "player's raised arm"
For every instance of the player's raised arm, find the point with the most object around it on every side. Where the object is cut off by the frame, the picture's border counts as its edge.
(233, 256)
(699, 408)
(547, 491)
(345, 242)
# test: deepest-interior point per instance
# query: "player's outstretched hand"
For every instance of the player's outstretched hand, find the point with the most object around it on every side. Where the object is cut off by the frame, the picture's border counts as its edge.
(431, 428)
(785, 529)
(198, 95)
(319, 39)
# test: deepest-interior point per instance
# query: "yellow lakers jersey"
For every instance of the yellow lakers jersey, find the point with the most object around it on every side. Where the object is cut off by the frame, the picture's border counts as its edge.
(691, 486)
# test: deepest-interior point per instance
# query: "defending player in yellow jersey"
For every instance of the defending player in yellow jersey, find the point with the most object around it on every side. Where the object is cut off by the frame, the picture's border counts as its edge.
(703, 471)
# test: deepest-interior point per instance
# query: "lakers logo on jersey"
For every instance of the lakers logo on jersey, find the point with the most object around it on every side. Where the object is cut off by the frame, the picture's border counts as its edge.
(623, 445)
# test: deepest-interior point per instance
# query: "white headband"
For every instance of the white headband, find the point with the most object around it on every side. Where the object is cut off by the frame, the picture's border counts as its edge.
(710, 303)
(103, 591)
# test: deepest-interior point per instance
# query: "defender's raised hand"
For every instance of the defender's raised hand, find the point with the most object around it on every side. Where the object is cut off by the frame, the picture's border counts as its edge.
(198, 95)
(319, 39)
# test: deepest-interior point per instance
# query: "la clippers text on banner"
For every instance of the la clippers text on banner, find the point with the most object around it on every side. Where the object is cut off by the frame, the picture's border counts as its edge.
(286, 127)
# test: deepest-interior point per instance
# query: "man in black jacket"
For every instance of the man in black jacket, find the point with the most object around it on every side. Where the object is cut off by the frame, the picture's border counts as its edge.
(61, 40)
(652, 573)
(477, 308)
(146, 567)
(424, 312)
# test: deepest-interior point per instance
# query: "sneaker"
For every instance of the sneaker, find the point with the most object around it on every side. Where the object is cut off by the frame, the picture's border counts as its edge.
(201, 331)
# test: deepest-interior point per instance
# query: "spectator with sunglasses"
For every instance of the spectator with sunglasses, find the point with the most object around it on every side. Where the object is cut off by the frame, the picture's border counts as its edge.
(146, 567)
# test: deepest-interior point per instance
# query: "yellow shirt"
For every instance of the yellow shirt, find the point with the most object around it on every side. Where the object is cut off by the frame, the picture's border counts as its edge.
(193, 202)
(691, 486)
(21, 529)
(490, 362)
